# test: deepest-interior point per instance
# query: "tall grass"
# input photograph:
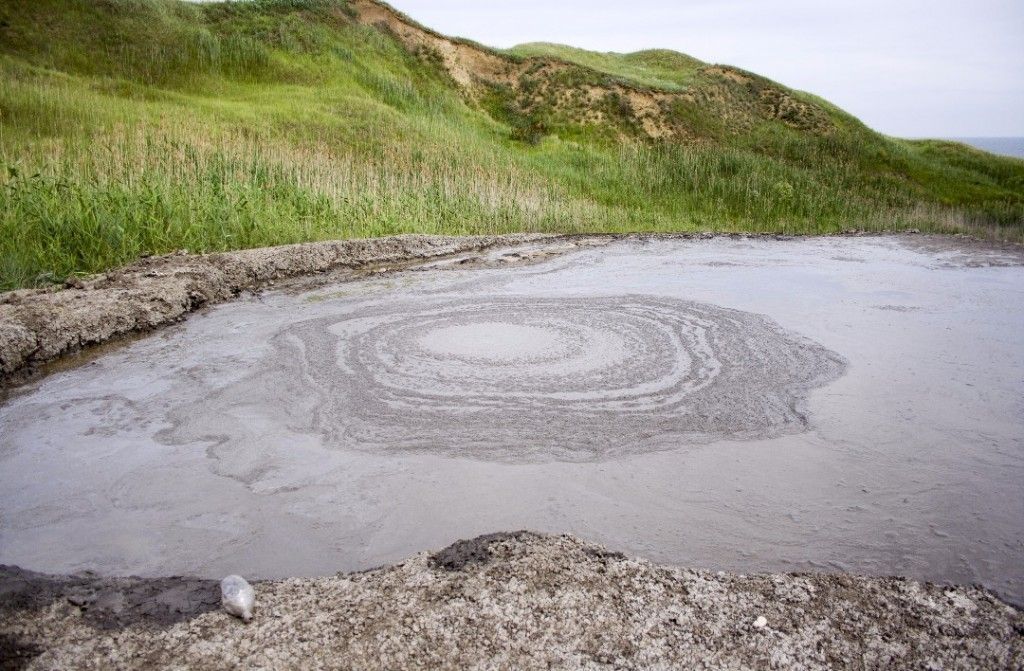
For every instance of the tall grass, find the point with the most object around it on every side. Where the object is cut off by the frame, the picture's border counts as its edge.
(248, 124)
(84, 207)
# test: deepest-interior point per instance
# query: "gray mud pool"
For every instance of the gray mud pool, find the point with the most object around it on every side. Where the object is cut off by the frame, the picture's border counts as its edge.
(750, 405)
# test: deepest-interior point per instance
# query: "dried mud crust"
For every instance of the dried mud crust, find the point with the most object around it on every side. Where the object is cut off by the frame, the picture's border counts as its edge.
(512, 600)
(39, 325)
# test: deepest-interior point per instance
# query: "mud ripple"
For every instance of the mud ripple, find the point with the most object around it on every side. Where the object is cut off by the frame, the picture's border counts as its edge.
(526, 379)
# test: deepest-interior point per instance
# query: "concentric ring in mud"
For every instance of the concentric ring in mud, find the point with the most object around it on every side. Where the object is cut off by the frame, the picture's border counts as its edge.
(527, 379)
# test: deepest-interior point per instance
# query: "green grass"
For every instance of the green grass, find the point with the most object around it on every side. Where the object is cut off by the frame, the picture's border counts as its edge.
(654, 68)
(132, 127)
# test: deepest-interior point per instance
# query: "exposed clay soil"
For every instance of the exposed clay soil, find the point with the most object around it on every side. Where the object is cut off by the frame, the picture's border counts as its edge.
(540, 81)
(512, 601)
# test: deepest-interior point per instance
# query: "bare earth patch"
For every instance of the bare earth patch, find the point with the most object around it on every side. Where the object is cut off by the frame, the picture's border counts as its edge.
(512, 600)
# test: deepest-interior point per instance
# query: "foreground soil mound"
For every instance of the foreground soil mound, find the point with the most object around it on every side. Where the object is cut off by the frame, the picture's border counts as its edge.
(518, 600)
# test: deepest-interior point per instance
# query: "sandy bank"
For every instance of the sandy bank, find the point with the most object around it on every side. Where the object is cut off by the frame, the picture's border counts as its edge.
(517, 600)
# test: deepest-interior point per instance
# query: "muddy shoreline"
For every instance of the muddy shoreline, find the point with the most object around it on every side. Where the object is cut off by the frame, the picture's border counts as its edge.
(510, 600)
(40, 326)
(504, 600)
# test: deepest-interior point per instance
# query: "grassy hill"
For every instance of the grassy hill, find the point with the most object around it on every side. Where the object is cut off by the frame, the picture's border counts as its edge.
(653, 68)
(132, 127)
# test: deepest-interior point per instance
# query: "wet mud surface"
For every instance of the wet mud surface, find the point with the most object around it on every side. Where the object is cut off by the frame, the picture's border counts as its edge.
(110, 603)
(38, 326)
(848, 404)
(521, 379)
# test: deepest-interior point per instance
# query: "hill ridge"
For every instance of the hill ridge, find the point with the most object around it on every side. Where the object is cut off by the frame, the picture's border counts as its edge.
(134, 127)
(552, 86)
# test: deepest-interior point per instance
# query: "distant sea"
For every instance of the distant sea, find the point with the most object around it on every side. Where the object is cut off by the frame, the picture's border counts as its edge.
(1007, 146)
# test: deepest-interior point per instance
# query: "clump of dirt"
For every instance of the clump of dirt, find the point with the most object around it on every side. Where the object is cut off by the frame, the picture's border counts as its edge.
(37, 326)
(524, 600)
(465, 553)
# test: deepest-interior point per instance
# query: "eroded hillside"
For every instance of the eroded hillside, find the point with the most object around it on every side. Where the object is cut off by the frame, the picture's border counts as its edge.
(550, 92)
(134, 127)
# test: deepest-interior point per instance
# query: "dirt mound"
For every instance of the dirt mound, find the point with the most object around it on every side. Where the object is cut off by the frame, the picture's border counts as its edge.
(520, 600)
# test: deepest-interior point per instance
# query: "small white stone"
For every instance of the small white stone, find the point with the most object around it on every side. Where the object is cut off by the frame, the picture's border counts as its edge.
(237, 597)
(761, 622)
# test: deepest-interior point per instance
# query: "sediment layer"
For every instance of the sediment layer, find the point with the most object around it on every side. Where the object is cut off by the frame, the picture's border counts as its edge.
(511, 600)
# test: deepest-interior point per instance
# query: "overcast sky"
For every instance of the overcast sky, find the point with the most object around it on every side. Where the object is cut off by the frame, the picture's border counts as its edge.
(938, 68)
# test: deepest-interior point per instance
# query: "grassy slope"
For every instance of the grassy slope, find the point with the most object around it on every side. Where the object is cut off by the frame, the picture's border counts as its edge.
(130, 127)
(655, 68)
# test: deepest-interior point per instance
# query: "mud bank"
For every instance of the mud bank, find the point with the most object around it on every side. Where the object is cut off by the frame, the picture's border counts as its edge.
(37, 326)
(518, 600)
(40, 325)
(735, 403)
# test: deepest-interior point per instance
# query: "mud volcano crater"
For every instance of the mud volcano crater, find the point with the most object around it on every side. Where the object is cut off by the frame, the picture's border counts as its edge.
(648, 395)
(538, 379)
